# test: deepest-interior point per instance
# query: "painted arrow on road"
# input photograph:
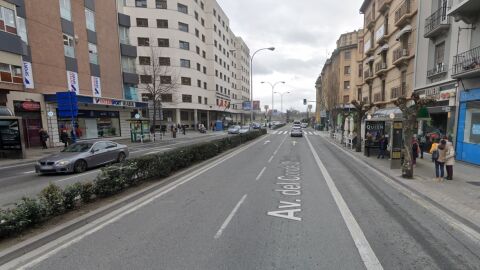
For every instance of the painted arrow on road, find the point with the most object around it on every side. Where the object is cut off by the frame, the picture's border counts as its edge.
(294, 143)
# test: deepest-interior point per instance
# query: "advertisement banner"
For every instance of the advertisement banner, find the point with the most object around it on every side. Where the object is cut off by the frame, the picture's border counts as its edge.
(246, 106)
(96, 87)
(256, 105)
(28, 75)
(72, 80)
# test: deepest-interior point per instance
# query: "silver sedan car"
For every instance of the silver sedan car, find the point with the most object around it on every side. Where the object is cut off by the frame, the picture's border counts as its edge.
(81, 156)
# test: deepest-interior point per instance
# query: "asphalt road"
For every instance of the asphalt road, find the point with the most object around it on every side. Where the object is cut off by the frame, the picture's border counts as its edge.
(17, 181)
(280, 203)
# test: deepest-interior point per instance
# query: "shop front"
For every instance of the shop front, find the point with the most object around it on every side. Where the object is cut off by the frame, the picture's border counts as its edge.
(468, 133)
(30, 112)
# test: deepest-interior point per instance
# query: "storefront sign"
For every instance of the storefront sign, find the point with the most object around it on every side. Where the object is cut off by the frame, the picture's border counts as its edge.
(96, 87)
(438, 94)
(28, 75)
(374, 127)
(476, 129)
(103, 101)
(72, 80)
(26, 106)
(114, 102)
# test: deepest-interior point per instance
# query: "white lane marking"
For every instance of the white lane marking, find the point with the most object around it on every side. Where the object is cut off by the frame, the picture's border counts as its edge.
(270, 159)
(461, 227)
(183, 142)
(40, 254)
(274, 132)
(154, 152)
(267, 141)
(311, 133)
(369, 258)
(229, 218)
(294, 143)
(76, 176)
(15, 166)
(286, 132)
(280, 145)
(260, 174)
(28, 172)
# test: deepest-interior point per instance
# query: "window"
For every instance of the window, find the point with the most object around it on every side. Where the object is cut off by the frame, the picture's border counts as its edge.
(163, 42)
(185, 63)
(144, 60)
(348, 55)
(199, 83)
(92, 53)
(472, 122)
(161, 4)
(196, 15)
(65, 10)
(124, 35)
(205, 100)
(202, 5)
(186, 81)
(204, 54)
(90, 18)
(346, 85)
(142, 22)
(10, 73)
(128, 64)
(197, 33)
(145, 79)
(439, 53)
(164, 61)
(359, 94)
(182, 8)
(346, 70)
(166, 97)
(187, 98)
(360, 70)
(205, 70)
(68, 46)
(199, 100)
(197, 50)
(198, 66)
(162, 23)
(183, 27)
(205, 85)
(142, 41)
(203, 38)
(8, 17)
(184, 45)
(22, 29)
(141, 3)
(165, 79)
(203, 22)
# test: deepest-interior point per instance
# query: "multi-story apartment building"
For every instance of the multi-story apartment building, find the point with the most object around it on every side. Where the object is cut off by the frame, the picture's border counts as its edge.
(466, 71)
(200, 56)
(388, 49)
(340, 75)
(72, 46)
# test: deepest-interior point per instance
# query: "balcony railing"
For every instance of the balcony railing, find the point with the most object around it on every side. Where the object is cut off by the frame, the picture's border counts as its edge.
(367, 74)
(380, 66)
(404, 11)
(466, 63)
(440, 68)
(437, 22)
(400, 53)
(398, 91)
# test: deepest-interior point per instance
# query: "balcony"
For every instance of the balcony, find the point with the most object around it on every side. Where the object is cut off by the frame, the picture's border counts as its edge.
(439, 70)
(383, 5)
(381, 35)
(465, 10)
(405, 12)
(369, 20)
(401, 56)
(467, 64)
(368, 76)
(380, 68)
(398, 91)
(437, 24)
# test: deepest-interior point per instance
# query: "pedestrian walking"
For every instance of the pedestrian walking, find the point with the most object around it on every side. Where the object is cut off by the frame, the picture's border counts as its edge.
(383, 142)
(415, 150)
(439, 157)
(174, 132)
(43, 137)
(368, 143)
(423, 145)
(184, 129)
(64, 138)
(449, 159)
(212, 127)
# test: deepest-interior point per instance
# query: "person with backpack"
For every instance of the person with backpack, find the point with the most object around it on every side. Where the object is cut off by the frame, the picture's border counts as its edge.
(439, 158)
(43, 138)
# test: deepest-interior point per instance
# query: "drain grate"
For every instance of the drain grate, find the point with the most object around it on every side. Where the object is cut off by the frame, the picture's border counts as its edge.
(474, 183)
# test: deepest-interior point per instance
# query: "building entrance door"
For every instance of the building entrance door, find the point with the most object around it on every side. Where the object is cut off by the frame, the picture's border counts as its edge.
(91, 130)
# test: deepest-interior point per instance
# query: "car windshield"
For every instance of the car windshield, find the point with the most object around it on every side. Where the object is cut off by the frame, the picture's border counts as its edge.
(245, 127)
(78, 147)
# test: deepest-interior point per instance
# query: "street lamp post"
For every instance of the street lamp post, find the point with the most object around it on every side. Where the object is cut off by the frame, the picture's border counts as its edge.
(273, 88)
(251, 79)
(281, 100)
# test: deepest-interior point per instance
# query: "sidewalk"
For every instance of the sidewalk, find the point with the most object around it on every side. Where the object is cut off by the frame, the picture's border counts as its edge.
(461, 195)
(33, 154)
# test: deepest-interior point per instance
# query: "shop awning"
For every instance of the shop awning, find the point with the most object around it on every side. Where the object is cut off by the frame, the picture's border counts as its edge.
(386, 113)
(383, 48)
(405, 30)
(423, 113)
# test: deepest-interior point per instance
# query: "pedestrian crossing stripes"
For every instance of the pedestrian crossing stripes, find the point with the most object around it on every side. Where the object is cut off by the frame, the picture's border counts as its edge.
(284, 132)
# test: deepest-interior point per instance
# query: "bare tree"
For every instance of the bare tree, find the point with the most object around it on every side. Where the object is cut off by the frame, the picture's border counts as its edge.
(162, 80)
(410, 108)
(361, 109)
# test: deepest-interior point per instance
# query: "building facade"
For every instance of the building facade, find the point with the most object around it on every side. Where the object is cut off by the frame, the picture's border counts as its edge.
(389, 40)
(203, 62)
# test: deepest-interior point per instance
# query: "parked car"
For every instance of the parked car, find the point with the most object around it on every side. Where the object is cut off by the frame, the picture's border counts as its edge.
(256, 126)
(296, 132)
(304, 125)
(234, 130)
(79, 157)
(244, 129)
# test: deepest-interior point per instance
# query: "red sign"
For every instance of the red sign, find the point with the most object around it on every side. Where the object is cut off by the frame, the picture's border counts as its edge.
(27, 106)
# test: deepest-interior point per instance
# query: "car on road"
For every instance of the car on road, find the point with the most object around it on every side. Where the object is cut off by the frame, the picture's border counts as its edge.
(297, 124)
(304, 125)
(79, 157)
(234, 130)
(244, 129)
(256, 126)
(296, 132)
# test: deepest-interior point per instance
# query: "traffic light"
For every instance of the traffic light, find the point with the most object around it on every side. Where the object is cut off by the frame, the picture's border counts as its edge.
(304, 101)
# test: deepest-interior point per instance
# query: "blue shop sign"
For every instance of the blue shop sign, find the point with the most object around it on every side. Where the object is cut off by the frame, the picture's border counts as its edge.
(468, 95)
(97, 114)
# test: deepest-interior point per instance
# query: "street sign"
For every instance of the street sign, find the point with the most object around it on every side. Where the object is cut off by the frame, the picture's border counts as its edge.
(50, 114)
(67, 104)
(137, 116)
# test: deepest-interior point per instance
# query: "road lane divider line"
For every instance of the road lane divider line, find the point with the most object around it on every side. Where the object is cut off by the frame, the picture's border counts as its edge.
(78, 175)
(28, 172)
(366, 252)
(442, 214)
(278, 147)
(229, 218)
(260, 174)
(32, 258)
(270, 159)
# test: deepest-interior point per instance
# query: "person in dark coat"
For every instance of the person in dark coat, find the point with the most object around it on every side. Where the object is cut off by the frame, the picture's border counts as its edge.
(64, 138)
(383, 143)
(43, 137)
(415, 150)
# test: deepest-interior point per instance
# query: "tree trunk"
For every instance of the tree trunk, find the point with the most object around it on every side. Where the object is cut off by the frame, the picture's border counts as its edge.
(154, 117)
(358, 131)
(409, 126)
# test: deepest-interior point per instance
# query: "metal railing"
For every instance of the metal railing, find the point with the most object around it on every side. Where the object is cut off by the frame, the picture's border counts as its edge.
(367, 74)
(404, 9)
(380, 66)
(467, 61)
(400, 53)
(438, 69)
(438, 18)
(398, 91)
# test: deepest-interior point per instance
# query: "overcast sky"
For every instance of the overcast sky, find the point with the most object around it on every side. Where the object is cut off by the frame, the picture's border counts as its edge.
(302, 31)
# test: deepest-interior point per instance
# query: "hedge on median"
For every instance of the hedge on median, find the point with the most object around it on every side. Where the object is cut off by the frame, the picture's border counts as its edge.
(53, 200)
